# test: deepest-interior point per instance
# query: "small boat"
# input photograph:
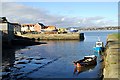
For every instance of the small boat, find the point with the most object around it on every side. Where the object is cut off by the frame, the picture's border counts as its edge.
(78, 70)
(87, 61)
(99, 47)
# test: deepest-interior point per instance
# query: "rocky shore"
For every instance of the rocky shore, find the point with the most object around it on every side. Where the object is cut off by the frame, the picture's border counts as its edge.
(111, 59)
(20, 41)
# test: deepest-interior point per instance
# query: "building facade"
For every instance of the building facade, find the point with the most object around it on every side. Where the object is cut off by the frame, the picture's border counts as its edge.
(17, 27)
(27, 27)
(7, 29)
(39, 27)
(50, 28)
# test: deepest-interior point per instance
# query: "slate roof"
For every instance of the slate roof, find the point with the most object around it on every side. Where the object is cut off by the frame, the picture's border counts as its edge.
(3, 20)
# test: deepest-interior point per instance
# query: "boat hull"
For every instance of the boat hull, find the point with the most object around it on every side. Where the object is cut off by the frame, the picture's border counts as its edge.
(98, 49)
(85, 62)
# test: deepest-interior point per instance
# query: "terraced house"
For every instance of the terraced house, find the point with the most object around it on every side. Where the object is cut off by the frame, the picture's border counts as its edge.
(27, 27)
(32, 27)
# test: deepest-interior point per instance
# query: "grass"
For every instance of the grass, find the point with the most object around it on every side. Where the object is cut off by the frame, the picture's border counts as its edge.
(113, 62)
(115, 35)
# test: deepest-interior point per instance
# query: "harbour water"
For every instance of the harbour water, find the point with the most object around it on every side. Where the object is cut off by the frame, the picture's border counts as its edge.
(55, 59)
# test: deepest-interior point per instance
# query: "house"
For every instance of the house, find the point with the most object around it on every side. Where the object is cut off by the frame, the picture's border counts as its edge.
(27, 27)
(39, 27)
(50, 28)
(7, 30)
(62, 30)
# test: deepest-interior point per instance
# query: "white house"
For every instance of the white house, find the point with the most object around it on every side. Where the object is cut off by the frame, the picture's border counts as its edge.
(24, 28)
(27, 27)
(32, 28)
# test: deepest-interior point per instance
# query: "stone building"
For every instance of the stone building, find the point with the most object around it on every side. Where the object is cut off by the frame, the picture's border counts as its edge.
(17, 27)
(7, 30)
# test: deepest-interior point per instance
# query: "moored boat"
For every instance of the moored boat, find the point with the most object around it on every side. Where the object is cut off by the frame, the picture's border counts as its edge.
(99, 47)
(78, 70)
(87, 61)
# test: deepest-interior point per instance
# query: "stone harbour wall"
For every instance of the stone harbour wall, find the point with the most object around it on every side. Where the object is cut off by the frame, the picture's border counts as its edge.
(68, 36)
(111, 59)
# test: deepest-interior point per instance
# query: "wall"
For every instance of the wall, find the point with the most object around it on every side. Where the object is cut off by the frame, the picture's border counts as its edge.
(37, 27)
(7, 31)
(4, 29)
(111, 59)
(69, 36)
(10, 31)
(17, 28)
(25, 28)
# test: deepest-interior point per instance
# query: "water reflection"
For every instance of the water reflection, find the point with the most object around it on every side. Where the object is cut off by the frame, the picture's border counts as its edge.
(8, 61)
(17, 66)
(8, 58)
(78, 70)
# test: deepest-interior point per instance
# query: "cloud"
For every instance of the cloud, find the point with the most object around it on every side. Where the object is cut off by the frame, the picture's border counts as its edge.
(62, 19)
(16, 12)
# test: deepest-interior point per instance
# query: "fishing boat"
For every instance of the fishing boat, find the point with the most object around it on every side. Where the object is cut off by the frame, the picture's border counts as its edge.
(87, 61)
(99, 47)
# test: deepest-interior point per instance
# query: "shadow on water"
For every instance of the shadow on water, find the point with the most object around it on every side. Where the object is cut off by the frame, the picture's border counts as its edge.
(17, 66)
(8, 60)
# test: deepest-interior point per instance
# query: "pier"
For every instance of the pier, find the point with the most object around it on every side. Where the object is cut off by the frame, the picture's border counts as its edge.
(67, 36)
(112, 60)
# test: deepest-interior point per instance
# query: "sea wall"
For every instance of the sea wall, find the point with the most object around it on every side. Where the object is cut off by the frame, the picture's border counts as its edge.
(111, 58)
(67, 36)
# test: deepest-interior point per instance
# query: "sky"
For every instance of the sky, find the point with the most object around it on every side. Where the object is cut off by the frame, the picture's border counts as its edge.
(63, 14)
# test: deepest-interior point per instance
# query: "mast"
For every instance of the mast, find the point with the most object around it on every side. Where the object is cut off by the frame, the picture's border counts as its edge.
(98, 39)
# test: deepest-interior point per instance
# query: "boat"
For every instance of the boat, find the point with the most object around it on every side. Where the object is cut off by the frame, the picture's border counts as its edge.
(99, 47)
(87, 61)
(78, 70)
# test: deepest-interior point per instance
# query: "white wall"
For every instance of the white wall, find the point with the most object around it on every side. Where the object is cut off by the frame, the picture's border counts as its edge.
(24, 28)
(8, 31)
(3, 26)
(32, 28)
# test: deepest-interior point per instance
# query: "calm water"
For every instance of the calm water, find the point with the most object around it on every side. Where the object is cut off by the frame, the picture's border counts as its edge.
(62, 54)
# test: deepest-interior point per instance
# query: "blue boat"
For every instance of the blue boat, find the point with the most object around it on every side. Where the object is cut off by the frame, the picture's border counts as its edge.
(99, 47)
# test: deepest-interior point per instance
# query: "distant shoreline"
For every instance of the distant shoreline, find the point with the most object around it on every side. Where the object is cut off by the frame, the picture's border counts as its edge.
(99, 30)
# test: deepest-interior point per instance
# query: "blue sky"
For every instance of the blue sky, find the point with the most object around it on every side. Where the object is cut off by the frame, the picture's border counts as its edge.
(63, 13)
(82, 9)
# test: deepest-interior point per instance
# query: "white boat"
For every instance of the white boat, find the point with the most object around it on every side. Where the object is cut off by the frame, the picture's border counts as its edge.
(99, 47)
